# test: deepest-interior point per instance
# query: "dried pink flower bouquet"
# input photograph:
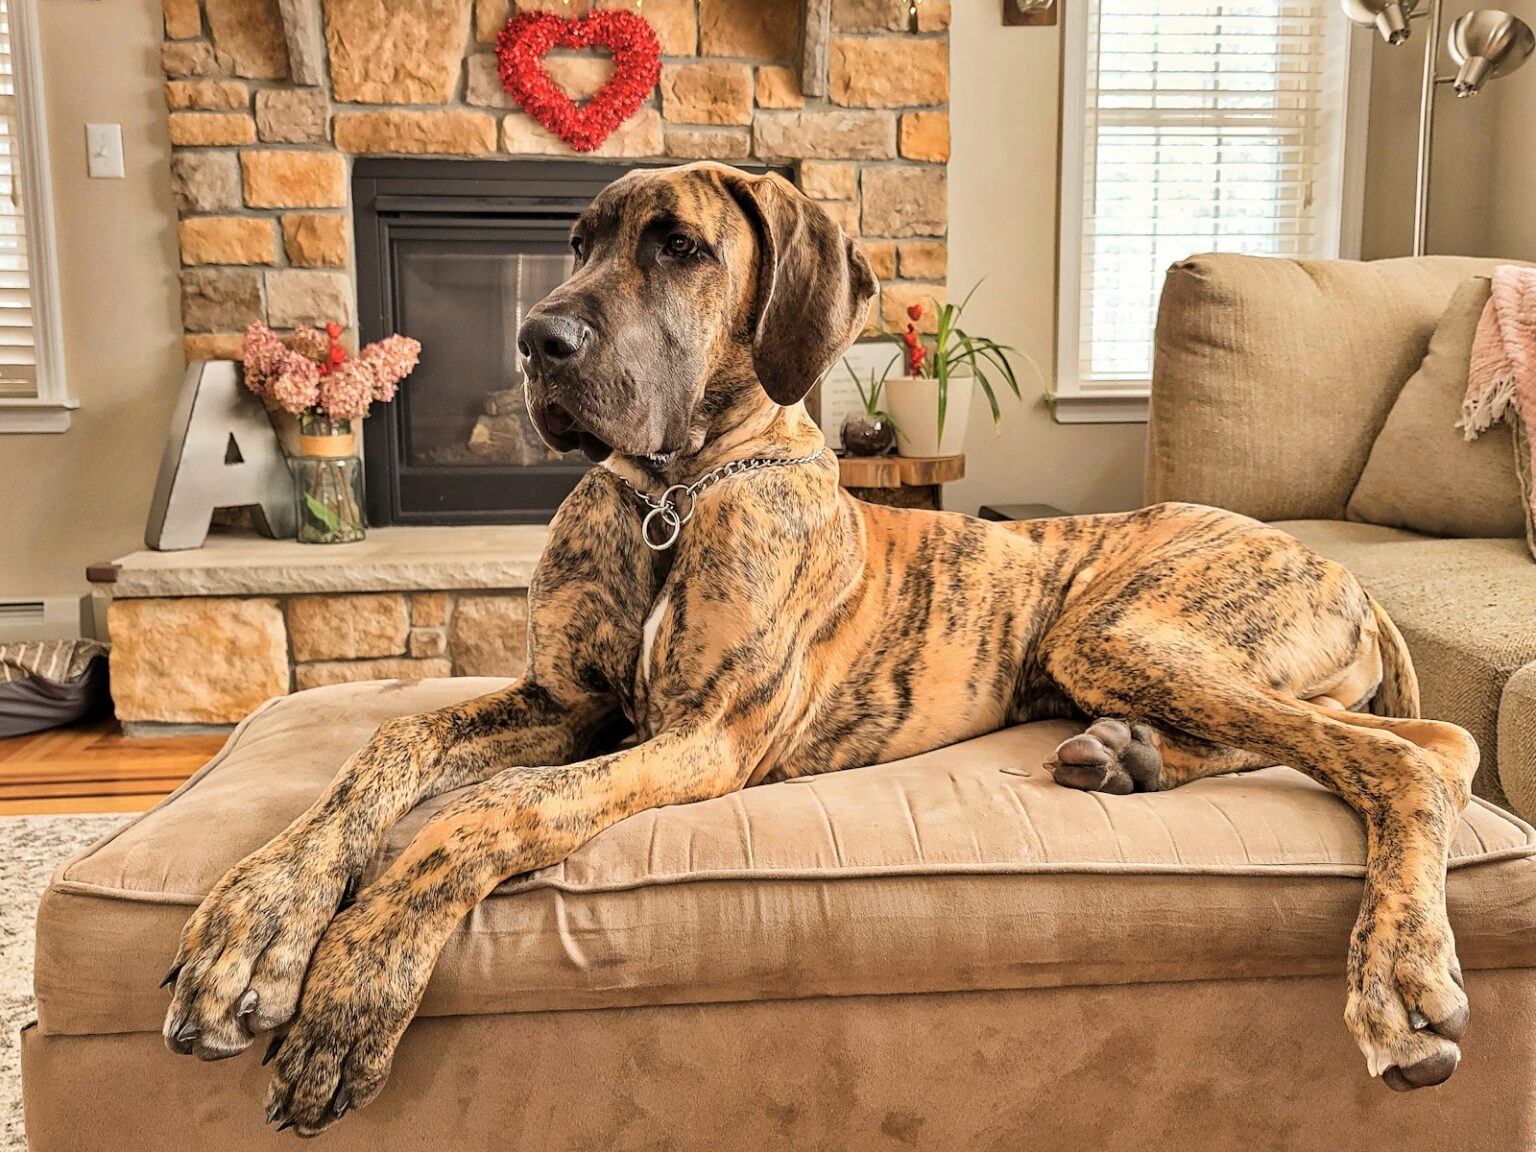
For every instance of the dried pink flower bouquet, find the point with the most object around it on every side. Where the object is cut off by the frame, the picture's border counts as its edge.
(315, 377)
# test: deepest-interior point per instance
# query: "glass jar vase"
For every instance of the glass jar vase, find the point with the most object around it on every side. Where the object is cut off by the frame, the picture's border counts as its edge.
(328, 494)
(328, 483)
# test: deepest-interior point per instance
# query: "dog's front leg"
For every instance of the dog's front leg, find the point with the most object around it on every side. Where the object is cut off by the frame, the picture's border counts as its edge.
(371, 967)
(244, 951)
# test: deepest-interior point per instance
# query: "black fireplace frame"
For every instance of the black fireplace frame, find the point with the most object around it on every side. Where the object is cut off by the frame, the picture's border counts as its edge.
(397, 198)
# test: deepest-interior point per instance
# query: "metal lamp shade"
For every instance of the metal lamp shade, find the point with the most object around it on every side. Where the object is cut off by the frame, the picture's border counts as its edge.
(1390, 17)
(1487, 44)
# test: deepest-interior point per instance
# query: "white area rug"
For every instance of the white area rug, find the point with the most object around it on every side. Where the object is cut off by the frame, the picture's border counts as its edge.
(31, 847)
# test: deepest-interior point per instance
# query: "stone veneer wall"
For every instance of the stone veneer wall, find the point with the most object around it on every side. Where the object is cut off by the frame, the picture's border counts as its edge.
(211, 660)
(260, 164)
(260, 171)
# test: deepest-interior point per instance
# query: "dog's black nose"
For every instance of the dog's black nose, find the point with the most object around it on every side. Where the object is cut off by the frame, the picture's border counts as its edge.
(548, 338)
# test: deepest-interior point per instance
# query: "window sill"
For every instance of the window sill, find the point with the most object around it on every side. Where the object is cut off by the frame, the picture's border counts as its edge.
(36, 415)
(1122, 408)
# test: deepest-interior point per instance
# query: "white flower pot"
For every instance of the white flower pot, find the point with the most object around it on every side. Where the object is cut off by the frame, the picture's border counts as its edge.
(913, 402)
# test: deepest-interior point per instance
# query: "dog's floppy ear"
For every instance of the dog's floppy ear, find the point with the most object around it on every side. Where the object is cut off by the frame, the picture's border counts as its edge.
(813, 285)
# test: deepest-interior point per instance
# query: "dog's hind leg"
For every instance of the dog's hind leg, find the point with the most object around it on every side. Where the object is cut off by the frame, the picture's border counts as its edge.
(1408, 779)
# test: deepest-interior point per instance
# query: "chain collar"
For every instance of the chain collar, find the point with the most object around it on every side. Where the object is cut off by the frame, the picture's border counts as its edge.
(666, 510)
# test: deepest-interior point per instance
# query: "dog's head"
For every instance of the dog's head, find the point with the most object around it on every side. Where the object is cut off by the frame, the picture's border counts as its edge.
(693, 288)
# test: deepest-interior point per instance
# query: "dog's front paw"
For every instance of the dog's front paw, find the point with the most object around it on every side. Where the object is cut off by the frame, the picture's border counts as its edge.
(243, 953)
(363, 987)
(1406, 1006)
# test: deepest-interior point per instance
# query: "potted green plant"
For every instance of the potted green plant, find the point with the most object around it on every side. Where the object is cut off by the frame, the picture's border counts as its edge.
(870, 432)
(930, 404)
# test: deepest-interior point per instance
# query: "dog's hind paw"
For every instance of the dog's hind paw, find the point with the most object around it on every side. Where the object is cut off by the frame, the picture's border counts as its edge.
(1406, 1006)
(1111, 756)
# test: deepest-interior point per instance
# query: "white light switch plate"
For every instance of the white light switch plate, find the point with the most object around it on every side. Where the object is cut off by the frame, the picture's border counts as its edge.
(104, 149)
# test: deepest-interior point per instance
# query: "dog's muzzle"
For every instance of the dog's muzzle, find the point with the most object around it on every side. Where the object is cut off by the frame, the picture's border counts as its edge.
(552, 341)
(552, 346)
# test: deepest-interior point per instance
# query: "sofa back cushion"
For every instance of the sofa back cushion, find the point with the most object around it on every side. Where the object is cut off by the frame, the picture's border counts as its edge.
(1271, 378)
(1423, 474)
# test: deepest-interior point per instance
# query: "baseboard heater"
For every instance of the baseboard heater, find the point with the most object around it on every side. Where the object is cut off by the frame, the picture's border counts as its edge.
(45, 618)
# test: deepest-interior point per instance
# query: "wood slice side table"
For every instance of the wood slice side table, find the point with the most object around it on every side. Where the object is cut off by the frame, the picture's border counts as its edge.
(901, 481)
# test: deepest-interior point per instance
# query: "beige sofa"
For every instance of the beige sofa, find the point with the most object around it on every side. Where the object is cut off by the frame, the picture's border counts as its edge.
(1273, 380)
(950, 953)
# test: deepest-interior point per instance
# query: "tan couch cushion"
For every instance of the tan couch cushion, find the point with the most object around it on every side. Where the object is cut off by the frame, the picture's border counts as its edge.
(1423, 475)
(1271, 378)
(1523, 471)
(1468, 611)
(1517, 738)
(962, 869)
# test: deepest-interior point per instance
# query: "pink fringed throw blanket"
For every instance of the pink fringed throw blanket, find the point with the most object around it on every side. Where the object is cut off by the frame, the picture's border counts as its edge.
(1501, 379)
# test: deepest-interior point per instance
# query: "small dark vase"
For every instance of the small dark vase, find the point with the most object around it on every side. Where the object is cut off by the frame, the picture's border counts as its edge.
(866, 435)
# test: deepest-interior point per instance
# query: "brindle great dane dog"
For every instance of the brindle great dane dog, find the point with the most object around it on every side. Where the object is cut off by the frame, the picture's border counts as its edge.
(794, 630)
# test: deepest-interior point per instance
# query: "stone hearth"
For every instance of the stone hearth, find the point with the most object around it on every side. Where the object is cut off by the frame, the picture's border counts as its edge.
(199, 638)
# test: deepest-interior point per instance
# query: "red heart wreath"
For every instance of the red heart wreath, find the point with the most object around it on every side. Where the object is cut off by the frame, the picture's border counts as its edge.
(636, 67)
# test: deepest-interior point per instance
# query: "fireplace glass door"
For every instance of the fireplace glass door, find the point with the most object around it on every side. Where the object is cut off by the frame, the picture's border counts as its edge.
(465, 300)
(455, 253)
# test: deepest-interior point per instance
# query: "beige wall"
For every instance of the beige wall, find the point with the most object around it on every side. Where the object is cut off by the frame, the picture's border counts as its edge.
(1512, 163)
(1004, 99)
(83, 495)
(1481, 196)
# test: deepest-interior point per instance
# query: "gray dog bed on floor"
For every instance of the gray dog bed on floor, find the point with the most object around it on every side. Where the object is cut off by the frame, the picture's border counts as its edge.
(49, 683)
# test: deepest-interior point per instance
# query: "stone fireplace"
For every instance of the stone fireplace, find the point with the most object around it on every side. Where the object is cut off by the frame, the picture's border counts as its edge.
(288, 117)
(272, 101)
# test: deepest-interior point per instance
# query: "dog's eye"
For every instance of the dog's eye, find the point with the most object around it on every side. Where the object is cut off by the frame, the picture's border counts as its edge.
(681, 246)
(576, 246)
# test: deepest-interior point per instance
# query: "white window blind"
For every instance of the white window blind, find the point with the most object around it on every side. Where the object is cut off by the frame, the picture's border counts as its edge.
(18, 348)
(1191, 126)
(32, 394)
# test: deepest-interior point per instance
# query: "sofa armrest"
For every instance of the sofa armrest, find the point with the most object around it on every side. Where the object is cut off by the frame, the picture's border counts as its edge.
(1517, 741)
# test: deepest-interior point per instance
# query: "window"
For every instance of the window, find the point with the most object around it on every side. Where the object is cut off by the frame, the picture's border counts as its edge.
(32, 395)
(1192, 126)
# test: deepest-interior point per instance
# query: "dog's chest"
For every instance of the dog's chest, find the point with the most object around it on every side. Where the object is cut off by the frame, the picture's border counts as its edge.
(644, 705)
(648, 632)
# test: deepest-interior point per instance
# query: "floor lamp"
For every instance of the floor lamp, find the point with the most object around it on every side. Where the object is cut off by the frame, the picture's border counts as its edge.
(1485, 45)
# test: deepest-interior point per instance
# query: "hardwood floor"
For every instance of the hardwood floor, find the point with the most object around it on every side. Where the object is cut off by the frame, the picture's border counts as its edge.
(94, 768)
